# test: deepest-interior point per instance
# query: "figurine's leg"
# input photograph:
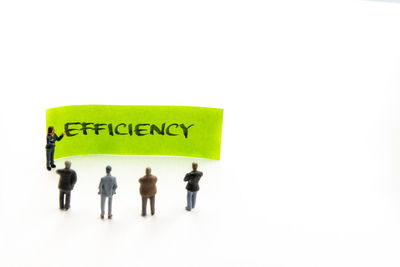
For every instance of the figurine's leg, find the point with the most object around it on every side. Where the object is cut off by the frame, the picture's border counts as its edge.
(48, 152)
(52, 157)
(194, 194)
(189, 200)
(67, 200)
(152, 202)
(144, 203)
(61, 199)
(103, 200)
(109, 206)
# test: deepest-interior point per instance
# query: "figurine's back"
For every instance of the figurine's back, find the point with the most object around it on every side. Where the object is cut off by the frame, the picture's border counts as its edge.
(108, 184)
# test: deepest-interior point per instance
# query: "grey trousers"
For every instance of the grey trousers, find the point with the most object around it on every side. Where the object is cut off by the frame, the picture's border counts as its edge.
(191, 199)
(103, 200)
(49, 156)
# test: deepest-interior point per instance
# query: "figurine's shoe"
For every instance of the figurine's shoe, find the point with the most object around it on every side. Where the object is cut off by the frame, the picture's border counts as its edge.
(66, 208)
(102, 217)
(152, 214)
(48, 168)
(187, 209)
(143, 214)
(110, 217)
(53, 166)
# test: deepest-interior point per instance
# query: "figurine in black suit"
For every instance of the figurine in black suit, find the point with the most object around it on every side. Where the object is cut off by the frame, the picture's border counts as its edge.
(50, 145)
(66, 184)
(192, 186)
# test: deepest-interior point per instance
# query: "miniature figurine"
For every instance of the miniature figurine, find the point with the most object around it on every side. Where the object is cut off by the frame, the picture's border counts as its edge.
(192, 186)
(148, 190)
(107, 187)
(50, 145)
(66, 184)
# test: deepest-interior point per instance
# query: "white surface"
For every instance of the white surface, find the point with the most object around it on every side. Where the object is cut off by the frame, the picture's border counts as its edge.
(309, 172)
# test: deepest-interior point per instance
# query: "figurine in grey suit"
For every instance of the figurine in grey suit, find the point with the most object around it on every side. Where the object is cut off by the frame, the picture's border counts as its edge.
(107, 187)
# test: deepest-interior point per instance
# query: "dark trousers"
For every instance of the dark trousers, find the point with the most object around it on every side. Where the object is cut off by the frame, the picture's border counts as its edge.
(67, 202)
(144, 204)
(49, 156)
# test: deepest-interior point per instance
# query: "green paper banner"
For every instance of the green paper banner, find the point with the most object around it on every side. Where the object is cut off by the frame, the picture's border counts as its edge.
(137, 130)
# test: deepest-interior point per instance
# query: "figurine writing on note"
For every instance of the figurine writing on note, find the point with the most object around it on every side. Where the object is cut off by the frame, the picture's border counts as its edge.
(50, 146)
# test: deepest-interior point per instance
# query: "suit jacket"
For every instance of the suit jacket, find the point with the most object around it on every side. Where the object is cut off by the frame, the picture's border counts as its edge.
(193, 179)
(51, 140)
(148, 186)
(67, 179)
(108, 185)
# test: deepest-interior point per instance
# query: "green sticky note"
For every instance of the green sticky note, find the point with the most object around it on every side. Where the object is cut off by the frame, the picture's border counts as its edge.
(137, 130)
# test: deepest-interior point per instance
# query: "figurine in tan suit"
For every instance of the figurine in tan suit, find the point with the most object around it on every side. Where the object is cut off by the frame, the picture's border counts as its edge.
(148, 190)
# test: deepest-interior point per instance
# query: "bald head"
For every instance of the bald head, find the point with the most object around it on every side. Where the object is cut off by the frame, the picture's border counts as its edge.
(68, 164)
(194, 166)
(148, 170)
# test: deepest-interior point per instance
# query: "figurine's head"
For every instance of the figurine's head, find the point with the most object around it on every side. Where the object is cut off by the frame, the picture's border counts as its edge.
(148, 170)
(50, 130)
(68, 164)
(108, 169)
(194, 166)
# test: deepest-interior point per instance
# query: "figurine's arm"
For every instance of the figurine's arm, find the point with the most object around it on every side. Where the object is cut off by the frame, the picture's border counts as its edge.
(58, 138)
(63, 171)
(115, 186)
(48, 140)
(74, 178)
(187, 177)
(101, 186)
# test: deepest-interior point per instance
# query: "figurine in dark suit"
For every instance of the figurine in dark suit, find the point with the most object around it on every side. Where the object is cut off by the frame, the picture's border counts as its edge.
(148, 190)
(192, 186)
(66, 184)
(50, 146)
(107, 187)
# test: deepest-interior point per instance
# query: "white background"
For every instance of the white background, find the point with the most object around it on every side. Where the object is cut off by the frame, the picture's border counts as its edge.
(309, 172)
